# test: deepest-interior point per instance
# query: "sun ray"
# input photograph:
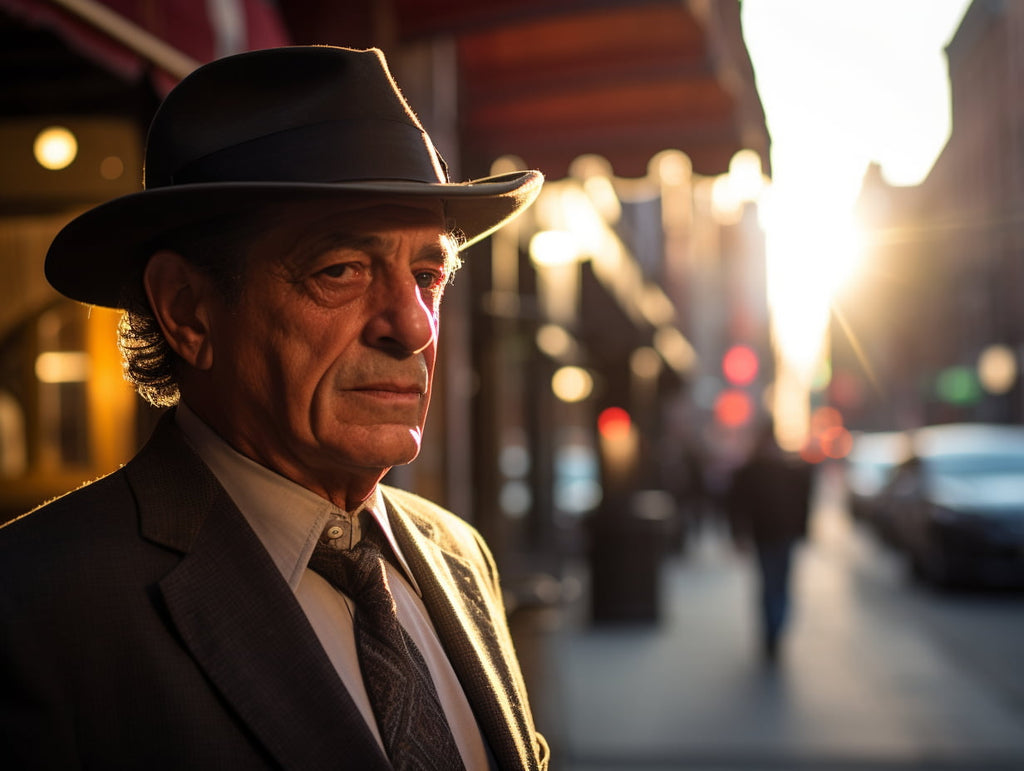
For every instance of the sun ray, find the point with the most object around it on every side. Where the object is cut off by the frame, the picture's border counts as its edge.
(858, 349)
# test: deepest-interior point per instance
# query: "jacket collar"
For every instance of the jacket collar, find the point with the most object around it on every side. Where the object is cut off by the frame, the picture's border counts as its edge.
(469, 618)
(237, 617)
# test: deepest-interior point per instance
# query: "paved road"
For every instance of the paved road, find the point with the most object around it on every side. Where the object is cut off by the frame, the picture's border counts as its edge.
(877, 674)
(981, 632)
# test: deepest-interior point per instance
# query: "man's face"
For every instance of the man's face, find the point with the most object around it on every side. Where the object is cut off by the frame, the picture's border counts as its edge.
(323, 367)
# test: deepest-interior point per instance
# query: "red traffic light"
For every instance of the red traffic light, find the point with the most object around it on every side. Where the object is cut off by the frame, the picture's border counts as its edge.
(740, 365)
(613, 423)
(733, 408)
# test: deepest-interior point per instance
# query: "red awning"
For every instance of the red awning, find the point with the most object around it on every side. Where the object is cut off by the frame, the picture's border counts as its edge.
(167, 37)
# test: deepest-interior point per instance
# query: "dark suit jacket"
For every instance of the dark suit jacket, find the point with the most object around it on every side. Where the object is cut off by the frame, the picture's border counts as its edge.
(143, 625)
(769, 499)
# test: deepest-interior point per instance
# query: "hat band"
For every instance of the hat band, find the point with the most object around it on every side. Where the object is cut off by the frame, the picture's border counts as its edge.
(328, 152)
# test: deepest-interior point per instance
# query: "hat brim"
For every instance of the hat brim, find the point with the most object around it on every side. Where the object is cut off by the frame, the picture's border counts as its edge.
(97, 251)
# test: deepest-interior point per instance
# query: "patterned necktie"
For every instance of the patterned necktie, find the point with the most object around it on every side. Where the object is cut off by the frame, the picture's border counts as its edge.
(409, 715)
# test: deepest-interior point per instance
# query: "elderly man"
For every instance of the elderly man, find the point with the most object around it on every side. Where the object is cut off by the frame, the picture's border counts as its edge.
(244, 593)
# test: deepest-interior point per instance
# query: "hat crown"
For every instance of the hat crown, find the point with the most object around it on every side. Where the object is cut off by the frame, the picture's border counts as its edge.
(295, 124)
(320, 114)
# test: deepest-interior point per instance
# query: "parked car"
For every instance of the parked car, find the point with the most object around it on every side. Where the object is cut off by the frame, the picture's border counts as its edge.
(957, 505)
(868, 468)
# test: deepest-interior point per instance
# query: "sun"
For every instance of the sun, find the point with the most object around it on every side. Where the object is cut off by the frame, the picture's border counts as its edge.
(815, 248)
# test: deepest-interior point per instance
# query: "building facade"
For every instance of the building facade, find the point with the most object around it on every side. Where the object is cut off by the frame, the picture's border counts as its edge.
(934, 332)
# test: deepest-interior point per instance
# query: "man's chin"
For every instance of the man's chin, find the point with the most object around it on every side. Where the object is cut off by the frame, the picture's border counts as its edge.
(378, 447)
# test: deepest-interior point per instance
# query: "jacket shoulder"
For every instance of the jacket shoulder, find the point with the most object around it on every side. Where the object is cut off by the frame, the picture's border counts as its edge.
(425, 511)
(433, 521)
(72, 512)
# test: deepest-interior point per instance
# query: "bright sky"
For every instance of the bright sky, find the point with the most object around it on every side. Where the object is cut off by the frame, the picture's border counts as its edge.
(852, 82)
(843, 84)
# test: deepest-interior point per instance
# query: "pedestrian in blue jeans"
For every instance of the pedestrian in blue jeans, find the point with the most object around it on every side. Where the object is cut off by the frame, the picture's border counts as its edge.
(768, 504)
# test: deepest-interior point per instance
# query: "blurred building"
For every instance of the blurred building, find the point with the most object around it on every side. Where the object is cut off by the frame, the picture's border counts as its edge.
(623, 288)
(934, 330)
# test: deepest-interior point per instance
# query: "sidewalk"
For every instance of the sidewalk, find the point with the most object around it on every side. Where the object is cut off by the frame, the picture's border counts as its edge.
(855, 689)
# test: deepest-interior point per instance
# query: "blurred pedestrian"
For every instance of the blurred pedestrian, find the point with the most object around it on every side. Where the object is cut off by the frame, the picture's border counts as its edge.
(768, 506)
(245, 593)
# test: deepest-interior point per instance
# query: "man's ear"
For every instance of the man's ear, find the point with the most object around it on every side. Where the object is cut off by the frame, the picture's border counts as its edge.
(180, 296)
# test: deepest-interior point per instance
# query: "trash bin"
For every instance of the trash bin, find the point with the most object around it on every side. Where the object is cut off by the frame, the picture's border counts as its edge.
(535, 604)
(627, 549)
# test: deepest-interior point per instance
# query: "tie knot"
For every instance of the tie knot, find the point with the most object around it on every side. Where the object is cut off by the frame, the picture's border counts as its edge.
(359, 572)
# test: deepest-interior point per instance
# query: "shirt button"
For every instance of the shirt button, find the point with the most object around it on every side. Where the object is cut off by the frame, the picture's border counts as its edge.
(335, 531)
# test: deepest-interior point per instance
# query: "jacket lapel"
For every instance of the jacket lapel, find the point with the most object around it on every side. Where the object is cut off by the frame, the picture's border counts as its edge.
(470, 623)
(238, 618)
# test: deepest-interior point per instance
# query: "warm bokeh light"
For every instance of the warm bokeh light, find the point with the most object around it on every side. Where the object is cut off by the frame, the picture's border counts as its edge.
(553, 247)
(746, 177)
(675, 349)
(825, 419)
(555, 341)
(645, 363)
(55, 148)
(601, 192)
(836, 442)
(111, 168)
(829, 438)
(63, 367)
(997, 369)
(572, 384)
(655, 306)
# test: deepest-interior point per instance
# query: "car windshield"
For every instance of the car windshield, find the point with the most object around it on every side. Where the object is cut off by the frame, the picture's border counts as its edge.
(968, 464)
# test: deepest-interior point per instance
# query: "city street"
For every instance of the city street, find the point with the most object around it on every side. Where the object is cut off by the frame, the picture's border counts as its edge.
(878, 672)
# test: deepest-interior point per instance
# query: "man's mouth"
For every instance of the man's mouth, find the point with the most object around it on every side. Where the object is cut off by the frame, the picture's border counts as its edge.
(400, 388)
(402, 392)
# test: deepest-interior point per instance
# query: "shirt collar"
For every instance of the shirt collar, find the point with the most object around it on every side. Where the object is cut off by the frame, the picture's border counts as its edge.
(286, 517)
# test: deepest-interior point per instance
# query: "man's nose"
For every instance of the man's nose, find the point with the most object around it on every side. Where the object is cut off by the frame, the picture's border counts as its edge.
(403, 319)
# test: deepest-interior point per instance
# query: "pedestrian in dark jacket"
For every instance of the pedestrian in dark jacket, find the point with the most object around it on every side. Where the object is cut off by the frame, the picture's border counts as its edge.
(768, 502)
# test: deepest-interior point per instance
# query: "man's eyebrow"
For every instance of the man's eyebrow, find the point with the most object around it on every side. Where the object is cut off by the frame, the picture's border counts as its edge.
(442, 252)
(363, 242)
(337, 240)
(436, 252)
(375, 242)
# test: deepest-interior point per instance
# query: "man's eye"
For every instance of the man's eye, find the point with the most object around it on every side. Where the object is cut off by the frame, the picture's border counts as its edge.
(429, 279)
(337, 270)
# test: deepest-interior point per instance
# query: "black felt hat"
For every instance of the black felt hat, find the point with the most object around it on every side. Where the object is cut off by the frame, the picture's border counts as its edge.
(282, 124)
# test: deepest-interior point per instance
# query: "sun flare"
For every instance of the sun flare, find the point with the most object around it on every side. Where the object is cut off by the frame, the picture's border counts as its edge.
(814, 249)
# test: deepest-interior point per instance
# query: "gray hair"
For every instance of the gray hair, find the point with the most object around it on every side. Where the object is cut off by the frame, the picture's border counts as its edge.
(217, 248)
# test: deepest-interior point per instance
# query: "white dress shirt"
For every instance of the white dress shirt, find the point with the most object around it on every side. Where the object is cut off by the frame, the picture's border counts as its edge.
(289, 519)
